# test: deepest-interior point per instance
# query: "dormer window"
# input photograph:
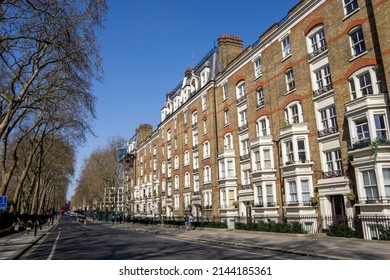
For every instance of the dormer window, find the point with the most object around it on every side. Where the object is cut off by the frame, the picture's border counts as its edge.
(204, 76)
(194, 85)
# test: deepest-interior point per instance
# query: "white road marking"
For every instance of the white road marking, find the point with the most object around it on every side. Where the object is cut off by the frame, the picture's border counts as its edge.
(54, 246)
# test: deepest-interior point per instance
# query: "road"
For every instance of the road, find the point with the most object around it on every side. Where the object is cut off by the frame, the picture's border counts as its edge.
(76, 241)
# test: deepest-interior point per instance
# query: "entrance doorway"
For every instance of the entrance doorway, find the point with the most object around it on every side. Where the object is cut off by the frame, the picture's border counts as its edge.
(338, 208)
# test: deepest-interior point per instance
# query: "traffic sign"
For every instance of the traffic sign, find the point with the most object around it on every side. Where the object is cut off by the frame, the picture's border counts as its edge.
(3, 202)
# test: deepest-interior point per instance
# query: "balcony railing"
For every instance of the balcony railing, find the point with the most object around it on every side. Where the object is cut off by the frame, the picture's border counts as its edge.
(290, 162)
(317, 51)
(244, 157)
(247, 186)
(298, 203)
(328, 131)
(322, 90)
(374, 200)
(332, 174)
(268, 204)
(241, 99)
(243, 127)
(367, 143)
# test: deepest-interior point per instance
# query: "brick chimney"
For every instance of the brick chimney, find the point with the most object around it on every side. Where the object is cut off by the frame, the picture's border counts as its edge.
(229, 48)
(144, 130)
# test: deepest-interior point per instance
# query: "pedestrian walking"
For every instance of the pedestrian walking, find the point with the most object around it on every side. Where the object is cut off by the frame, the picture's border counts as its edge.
(191, 222)
(29, 226)
(16, 225)
(186, 218)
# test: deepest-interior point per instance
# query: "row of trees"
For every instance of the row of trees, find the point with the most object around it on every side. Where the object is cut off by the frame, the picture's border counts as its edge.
(98, 178)
(49, 57)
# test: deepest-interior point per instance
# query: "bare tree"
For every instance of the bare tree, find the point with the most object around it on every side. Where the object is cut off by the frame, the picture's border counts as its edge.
(48, 58)
(99, 175)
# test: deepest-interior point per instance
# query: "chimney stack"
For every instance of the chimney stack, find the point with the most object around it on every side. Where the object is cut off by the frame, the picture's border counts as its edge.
(144, 130)
(229, 48)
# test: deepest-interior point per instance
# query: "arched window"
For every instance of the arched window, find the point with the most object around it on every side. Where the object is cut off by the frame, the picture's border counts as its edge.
(186, 158)
(194, 118)
(176, 162)
(364, 82)
(176, 182)
(262, 126)
(206, 174)
(206, 149)
(293, 112)
(240, 90)
(228, 141)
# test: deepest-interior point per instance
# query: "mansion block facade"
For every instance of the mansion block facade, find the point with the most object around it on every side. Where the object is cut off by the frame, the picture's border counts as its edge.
(296, 124)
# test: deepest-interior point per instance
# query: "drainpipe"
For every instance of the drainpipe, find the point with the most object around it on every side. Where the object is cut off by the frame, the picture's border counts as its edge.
(277, 143)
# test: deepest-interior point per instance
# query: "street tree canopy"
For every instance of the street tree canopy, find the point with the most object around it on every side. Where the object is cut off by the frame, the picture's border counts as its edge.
(49, 57)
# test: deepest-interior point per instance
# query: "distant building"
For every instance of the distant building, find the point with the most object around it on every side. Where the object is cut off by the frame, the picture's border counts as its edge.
(295, 125)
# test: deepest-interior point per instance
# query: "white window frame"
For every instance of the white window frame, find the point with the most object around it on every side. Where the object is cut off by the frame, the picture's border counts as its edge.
(293, 115)
(257, 67)
(195, 117)
(176, 162)
(262, 126)
(226, 116)
(290, 79)
(286, 46)
(228, 141)
(316, 40)
(225, 92)
(357, 42)
(204, 102)
(357, 89)
(206, 149)
(260, 97)
(206, 175)
(186, 158)
(240, 89)
(177, 182)
(350, 6)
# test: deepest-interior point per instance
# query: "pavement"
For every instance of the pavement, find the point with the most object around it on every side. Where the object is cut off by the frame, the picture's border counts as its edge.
(320, 246)
(13, 246)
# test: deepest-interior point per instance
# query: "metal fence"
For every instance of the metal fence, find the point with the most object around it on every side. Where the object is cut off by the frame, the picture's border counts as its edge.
(367, 227)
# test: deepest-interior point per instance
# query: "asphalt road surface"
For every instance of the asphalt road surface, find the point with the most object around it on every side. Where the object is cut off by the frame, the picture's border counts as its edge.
(75, 241)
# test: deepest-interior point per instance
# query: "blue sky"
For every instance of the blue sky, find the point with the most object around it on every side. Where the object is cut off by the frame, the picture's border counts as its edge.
(147, 45)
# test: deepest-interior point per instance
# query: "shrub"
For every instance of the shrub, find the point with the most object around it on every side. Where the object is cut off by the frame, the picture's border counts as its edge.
(272, 226)
(211, 224)
(340, 230)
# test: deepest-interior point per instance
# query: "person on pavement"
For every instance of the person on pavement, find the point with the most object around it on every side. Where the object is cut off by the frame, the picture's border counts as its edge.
(16, 225)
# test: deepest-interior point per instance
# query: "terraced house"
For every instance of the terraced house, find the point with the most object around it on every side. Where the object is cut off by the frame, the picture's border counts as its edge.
(294, 127)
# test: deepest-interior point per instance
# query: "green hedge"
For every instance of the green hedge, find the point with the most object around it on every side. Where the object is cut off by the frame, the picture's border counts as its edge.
(340, 230)
(211, 224)
(271, 226)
